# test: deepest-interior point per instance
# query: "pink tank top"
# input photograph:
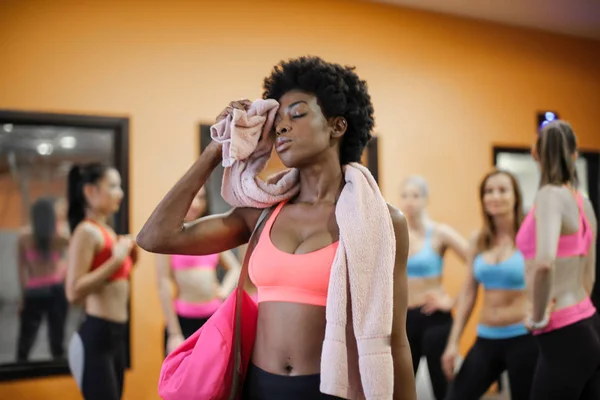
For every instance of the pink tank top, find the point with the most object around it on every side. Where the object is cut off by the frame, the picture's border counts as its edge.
(576, 244)
(180, 261)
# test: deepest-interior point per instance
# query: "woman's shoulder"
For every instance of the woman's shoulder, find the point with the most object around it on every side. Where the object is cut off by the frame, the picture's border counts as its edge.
(251, 216)
(87, 231)
(398, 218)
(442, 230)
(555, 193)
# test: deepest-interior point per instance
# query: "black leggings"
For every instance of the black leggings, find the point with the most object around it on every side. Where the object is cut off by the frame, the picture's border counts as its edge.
(487, 359)
(427, 335)
(188, 327)
(49, 302)
(262, 385)
(569, 365)
(97, 358)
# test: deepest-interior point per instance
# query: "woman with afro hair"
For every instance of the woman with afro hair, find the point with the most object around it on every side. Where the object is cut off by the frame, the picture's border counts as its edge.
(324, 122)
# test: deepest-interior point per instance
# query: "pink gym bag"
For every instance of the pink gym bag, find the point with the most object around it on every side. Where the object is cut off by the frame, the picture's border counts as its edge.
(211, 364)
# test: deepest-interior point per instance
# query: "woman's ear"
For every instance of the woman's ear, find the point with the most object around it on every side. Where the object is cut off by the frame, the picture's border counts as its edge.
(340, 126)
(88, 191)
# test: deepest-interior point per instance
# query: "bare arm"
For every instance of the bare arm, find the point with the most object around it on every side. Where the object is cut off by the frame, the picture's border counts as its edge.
(165, 230)
(22, 264)
(404, 379)
(466, 297)
(589, 277)
(163, 275)
(233, 268)
(80, 282)
(454, 241)
(548, 222)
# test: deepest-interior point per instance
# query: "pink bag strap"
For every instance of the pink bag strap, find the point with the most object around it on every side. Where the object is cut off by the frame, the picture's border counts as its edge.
(237, 354)
(251, 243)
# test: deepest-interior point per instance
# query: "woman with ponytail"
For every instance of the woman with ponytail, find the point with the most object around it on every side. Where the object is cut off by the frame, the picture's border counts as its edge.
(99, 265)
(558, 242)
(41, 250)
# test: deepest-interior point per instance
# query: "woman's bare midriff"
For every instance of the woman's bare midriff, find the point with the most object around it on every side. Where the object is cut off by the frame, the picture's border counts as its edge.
(111, 302)
(503, 307)
(418, 288)
(567, 285)
(196, 285)
(289, 338)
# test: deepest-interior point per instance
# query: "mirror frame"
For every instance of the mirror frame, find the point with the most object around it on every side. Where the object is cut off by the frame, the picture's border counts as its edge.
(120, 127)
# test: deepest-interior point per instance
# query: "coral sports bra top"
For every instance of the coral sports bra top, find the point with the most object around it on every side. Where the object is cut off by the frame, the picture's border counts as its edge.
(576, 244)
(180, 261)
(285, 277)
(106, 252)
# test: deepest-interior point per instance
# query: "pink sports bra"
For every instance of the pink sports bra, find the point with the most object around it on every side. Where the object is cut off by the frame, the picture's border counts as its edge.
(576, 244)
(293, 278)
(210, 261)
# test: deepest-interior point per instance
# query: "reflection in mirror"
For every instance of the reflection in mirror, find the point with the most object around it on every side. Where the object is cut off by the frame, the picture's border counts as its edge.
(527, 172)
(36, 321)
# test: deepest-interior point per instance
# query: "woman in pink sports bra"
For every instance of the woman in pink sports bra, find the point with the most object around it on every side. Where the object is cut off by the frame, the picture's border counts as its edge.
(41, 274)
(557, 240)
(198, 292)
(324, 121)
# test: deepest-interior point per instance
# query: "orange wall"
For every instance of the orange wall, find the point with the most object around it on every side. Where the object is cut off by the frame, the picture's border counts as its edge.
(445, 90)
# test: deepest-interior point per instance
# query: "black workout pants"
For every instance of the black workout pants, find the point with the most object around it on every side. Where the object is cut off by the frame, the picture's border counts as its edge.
(569, 364)
(487, 359)
(427, 335)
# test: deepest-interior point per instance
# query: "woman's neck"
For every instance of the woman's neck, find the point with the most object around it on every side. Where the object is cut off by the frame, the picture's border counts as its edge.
(417, 223)
(504, 227)
(321, 182)
(96, 217)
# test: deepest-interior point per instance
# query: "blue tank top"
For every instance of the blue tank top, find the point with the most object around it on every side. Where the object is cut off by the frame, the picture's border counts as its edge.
(506, 275)
(426, 263)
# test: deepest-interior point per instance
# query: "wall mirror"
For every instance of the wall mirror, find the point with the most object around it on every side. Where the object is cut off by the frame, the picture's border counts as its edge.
(519, 161)
(36, 153)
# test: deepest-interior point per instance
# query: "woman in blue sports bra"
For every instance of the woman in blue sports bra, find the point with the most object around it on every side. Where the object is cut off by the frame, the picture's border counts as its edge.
(428, 319)
(503, 342)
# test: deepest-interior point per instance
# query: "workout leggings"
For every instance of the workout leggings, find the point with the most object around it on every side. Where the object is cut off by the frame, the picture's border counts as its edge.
(262, 385)
(97, 358)
(188, 327)
(569, 364)
(427, 335)
(49, 302)
(487, 359)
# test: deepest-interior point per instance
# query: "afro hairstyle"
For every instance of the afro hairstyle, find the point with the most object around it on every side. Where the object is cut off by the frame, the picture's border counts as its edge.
(339, 91)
